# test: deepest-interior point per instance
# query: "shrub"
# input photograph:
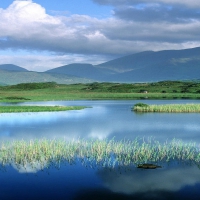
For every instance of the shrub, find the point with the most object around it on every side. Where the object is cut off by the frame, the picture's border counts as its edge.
(141, 105)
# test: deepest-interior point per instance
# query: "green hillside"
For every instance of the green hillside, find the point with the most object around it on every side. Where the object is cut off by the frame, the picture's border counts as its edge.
(12, 78)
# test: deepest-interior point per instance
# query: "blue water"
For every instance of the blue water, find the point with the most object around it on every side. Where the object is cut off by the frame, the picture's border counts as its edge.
(104, 119)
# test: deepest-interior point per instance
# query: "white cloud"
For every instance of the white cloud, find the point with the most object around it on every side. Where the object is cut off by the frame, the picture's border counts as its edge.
(25, 25)
(40, 63)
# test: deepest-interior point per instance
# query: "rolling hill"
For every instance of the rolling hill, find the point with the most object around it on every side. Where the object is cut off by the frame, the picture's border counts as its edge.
(13, 77)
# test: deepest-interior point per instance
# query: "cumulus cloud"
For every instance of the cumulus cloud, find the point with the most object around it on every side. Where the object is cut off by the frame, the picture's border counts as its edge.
(41, 63)
(26, 25)
(132, 28)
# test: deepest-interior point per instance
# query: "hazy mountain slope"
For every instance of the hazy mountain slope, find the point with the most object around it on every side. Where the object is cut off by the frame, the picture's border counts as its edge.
(141, 67)
(128, 63)
(165, 73)
(156, 66)
(2, 84)
(167, 70)
(11, 67)
(10, 78)
(84, 70)
(150, 58)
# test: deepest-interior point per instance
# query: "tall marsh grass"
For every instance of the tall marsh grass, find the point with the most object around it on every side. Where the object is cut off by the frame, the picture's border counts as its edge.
(176, 108)
(104, 153)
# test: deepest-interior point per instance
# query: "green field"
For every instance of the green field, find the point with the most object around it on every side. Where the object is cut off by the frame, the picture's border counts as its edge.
(13, 109)
(53, 91)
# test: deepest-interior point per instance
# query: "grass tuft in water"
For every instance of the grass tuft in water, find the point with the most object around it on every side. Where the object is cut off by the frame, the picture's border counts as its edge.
(104, 153)
(171, 108)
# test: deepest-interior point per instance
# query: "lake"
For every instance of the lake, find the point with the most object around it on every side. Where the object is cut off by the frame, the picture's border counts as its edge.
(101, 120)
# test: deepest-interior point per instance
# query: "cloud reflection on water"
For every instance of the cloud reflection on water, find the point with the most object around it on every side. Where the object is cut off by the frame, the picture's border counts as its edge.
(142, 181)
(103, 120)
(29, 167)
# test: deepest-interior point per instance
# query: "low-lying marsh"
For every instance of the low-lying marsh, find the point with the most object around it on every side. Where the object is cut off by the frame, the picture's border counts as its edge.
(175, 108)
(104, 153)
(54, 91)
(14, 109)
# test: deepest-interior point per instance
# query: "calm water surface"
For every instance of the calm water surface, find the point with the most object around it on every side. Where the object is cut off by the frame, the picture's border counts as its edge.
(103, 119)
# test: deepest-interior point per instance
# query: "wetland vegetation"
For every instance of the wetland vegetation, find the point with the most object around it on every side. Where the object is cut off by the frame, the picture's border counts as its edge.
(52, 91)
(171, 108)
(13, 109)
(105, 153)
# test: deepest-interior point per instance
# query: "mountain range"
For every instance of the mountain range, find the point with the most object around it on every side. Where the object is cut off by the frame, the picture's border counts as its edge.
(147, 66)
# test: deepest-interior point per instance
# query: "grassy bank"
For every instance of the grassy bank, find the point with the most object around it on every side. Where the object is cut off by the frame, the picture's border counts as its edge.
(14, 109)
(53, 91)
(171, 108)
(104, 153)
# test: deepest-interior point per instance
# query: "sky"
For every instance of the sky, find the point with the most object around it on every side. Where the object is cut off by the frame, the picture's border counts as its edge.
(42, 34)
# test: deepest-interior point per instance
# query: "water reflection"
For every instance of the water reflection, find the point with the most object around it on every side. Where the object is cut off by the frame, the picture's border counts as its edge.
(79, 181)
(142, 181)
(106, 119)
(87, 179)
(33, 167)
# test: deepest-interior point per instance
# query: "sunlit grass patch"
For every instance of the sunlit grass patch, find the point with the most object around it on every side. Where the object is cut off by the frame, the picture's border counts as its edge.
(176, 108)
(13, 109)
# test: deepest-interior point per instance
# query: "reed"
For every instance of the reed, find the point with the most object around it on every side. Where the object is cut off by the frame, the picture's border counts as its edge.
(104, 153)
(175, 108)
(12, 109)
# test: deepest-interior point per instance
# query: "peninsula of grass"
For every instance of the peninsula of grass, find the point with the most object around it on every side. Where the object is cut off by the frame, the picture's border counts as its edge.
(168, 108)
(16, 109)
(100, 91)
(103, 153)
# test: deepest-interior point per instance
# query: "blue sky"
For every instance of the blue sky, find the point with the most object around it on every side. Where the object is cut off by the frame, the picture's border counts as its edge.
(42, 34)
(82, 7)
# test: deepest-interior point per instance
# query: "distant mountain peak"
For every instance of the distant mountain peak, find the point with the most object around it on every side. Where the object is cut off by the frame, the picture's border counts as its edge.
(11, 67)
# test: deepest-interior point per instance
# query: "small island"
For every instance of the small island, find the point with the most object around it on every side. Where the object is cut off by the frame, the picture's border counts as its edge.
(168, 108)
(15, 109)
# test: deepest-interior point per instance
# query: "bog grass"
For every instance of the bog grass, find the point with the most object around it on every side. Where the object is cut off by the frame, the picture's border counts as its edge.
(53, 91)
(103, 153)
(14, 109)
(170, 108)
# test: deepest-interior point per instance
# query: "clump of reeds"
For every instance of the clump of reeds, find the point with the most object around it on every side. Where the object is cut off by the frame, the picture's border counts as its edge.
(176, 108)
(12, 109)
(105, 153)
